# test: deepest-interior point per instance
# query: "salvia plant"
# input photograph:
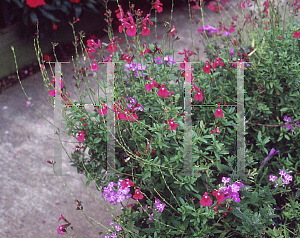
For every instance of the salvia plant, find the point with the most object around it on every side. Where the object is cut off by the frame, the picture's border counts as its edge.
(215, 200)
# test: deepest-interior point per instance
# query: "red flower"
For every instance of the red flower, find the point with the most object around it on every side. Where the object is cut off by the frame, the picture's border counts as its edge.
(120, 13)
(35, 3)
(231, 29)
(145, 31)
(47, 57)
(172, 124)
(158, 6)
(61, 217)
(296, 35)
(147, 50)
(54, 27)
(205, 201)
(163, 92)
(219, 196)
(126, 57)
(219, 112)
(206, 68)
(131, 31)
(112, 47)
(74, 1)
(138, 194)
(130, 205)
(125, 183)
(199, 96)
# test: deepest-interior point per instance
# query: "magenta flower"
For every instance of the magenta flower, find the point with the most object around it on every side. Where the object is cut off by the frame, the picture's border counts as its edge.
(80, 138)
(103, 110)
(206, 68)
(149, 86)
(126, 183)
(219, 112)
(205, 200)
(112, 47)
(219, 196)
(94, 66)
(199, 96)
(61, 229)
(272, 178)
(163, 92)
(138, 194)
(61, 217)
(172, 124)
(225, 180)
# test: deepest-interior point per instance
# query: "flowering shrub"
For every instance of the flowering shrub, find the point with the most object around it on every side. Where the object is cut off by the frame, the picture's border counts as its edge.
(149, 135)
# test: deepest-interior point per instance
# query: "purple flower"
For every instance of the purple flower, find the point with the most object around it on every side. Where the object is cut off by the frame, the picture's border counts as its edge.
(282, 172)
(287, 179)
(287, 119)
(170, 60)
(159, 60)
(134, 67)
(114, 235)
(118, 227)
(272, 178)
(226, 33)
(225, 180)
(208, 28)
(231, 52)
(131, 100)
(272, 153)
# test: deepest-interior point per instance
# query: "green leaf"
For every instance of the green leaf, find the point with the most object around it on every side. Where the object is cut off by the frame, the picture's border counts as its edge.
(287, 137)
(33, 17)
(97, 140)
(284, 109)
(48, 15)
(78, 11)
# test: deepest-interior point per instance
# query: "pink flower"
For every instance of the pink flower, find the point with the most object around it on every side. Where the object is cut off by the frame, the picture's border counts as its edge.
(61, 217)
(131, 31)
(172, 124)
(199, 96)
(80, 138)
(94, 66)
(205, 200)
(242, 5)
(127, 183)
(231, 29)
(158, 6)
(145, 31)
(219, 196)
(163, 92)
(138, 194)
(103, 110)
(147, 50)
(61, 229)
(149, 86)
(206, 68)
(52, 93)
(126, 57)
(35, 3)
(219, 112)
(296, 35)
(112, 47)
(108, 58)
(279, 37)
(120, 13)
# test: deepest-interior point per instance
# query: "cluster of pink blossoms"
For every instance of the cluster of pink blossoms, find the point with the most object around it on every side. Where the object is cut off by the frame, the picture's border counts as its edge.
(130, 25)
